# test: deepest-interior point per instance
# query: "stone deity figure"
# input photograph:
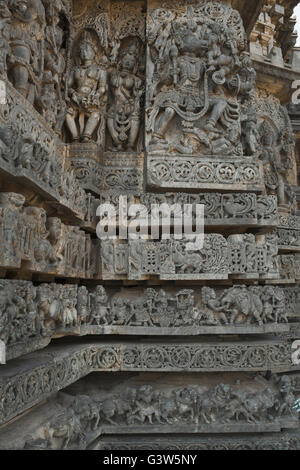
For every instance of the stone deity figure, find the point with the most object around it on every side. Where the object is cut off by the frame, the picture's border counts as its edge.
(26, 60)
(186, 98)
(100, 311)
(87, 93)
(124, 115)
(250, 134)
(56, 236)
(198, 76)
(83, 304)
(199, 70)
(11, 205)
(277, 163)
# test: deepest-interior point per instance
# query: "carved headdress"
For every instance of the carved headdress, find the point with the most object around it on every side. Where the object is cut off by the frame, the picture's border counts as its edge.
(86, 38)
(131, 47)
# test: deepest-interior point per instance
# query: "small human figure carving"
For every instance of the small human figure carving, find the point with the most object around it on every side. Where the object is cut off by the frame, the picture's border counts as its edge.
(124, 114)
(87, 87)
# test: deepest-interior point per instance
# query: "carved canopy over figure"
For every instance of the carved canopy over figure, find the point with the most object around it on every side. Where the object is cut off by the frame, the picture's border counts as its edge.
(126, 89)
(87, 87)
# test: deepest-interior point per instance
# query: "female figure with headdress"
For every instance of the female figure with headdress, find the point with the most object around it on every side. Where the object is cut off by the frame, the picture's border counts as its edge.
(124, 114)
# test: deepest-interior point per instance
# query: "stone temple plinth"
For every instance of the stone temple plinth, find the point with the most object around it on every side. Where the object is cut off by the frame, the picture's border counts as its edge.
(165, 104)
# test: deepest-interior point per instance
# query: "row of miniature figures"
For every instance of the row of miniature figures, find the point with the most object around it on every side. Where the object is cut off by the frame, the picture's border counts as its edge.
(33, 242)
(30, 312)
(213, 408)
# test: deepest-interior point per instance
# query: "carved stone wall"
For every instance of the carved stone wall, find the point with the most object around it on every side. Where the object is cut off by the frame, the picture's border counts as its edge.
(32, 315)
(173, 102)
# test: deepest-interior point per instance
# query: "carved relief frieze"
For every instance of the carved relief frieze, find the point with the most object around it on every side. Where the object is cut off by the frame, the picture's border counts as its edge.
(240, 256)
(220, 209)
(163, 102)
(194, 82)
(202, 173)
(43, 244)
(228, 407)
(29, 149)
(32, 315)
(47, 374)
(284, 441)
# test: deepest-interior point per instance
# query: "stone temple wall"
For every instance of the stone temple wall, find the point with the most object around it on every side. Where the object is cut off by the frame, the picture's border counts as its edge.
(176, 102)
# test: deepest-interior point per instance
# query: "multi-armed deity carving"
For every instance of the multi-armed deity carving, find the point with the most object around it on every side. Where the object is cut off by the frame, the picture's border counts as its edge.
(200, 85)
(201, 100)
(87, 80)
(198, 73)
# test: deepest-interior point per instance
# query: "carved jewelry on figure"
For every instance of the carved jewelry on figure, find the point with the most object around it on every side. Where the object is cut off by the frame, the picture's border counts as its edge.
(124, 115)
(200, 74)
(87, 90)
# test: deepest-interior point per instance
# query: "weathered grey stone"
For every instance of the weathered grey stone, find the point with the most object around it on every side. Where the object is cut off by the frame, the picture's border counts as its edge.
(221, 210)
(43, 245)
(31, 315)
(30, 150)
(240, 257)
(137, 98)
(136, 407)
(227, 174)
